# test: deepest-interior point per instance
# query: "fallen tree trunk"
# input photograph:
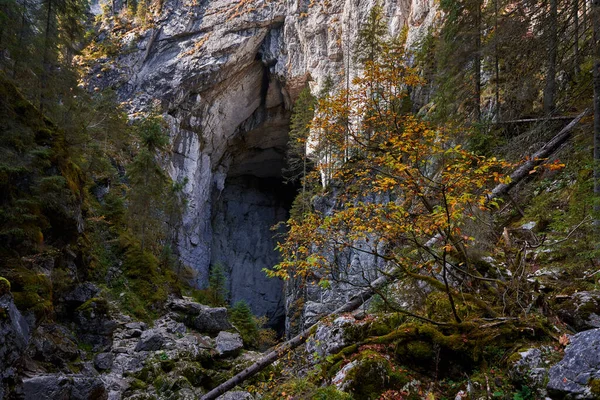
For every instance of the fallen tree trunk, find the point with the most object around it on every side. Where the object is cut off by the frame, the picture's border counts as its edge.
(537, 158)
(543, 119)
(284, 348)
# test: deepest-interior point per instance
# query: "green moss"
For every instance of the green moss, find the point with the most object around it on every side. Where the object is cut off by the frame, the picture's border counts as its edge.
(594, 385)
(167, 365)
(304, 389)
(94, 307)
(31, 291)
(4, 286)
(330, 393)
(420, 350)
(137, 384)
(193, 372)
(372, 375)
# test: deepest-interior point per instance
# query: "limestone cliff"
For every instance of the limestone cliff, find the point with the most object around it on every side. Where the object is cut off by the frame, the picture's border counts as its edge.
(225, 75)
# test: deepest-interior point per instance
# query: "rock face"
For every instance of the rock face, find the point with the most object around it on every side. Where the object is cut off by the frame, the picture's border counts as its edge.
(229, 344)
(582, 310)
(248, 207)
(577, 375)
(200, 317)
(14, 338)
(225, 75)
(531, 369)
(329, 338)
(59, 387)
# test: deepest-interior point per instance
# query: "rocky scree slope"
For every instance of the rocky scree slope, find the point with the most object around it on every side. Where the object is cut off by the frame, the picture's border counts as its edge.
(103, 354)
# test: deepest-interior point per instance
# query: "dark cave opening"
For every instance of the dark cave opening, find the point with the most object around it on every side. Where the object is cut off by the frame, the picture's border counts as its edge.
(254, 199)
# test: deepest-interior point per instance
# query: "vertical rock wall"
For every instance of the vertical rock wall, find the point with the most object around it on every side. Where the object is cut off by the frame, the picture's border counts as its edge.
(225, 75)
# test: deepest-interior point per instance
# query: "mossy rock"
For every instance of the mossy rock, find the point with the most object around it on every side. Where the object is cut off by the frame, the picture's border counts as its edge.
(138, 384)
(304, 389)
(330, 393)
(594, 385)
(382, 325)
(94, 307)
(372, 375)
(192, 371)
(166, 383)
(4, 286)
(214, 378)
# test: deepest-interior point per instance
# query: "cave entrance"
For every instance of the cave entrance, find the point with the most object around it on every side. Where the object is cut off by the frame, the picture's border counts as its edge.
(254, 198)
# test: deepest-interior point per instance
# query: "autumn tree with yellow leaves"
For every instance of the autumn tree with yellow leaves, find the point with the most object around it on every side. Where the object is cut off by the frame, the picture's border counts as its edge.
(427, 188)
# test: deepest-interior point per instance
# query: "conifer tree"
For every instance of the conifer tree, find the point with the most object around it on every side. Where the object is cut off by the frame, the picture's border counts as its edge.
(149, 183)
(242, 318)
(298, 163)
(217, 285)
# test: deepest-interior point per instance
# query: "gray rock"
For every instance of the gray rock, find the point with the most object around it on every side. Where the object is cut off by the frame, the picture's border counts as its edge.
(229, 344)
(104, 361)
(211, 320)
(14, 338)
(572, 376)
(238, 395)
(329, 339)
(582, 310)
(133, 333)
(63, 387)
(94, 325)
(82, 293)
(55, 344)
(186, 394)
(200, 317)
(531, 369)
(151, 340)
(139, 326)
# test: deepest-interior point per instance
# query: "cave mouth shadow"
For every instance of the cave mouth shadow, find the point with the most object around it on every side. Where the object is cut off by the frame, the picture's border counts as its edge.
(254, 199)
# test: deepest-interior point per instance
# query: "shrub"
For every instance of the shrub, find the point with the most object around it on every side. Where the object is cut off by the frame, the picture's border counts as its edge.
(242, 318)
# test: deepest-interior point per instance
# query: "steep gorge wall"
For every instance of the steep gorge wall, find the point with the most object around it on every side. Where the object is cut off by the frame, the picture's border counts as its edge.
(225, 75)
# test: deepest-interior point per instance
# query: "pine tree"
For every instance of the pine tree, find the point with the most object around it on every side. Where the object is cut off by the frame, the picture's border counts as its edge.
(217, 285)
(297, 161)
(149, 184)
(242, 318)
(370, 39)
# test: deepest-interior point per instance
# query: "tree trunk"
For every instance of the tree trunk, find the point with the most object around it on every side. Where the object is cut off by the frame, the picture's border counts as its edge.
(596, 79)
(477, 63)
(550, 88)
(45, 75)
(538, 157)
(497, 61)
(296, 341)
(576, 36)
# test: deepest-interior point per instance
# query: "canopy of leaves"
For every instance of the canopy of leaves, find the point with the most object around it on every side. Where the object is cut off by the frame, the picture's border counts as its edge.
(426, 187)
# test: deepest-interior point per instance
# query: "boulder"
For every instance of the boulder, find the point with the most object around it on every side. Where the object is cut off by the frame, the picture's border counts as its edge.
(151, 340)
(238, 395)
(93, 324)
(577, 375)
(582, 310)
(54, 344)
(104, 361)
(329, 339)
(14, 338)
(229, 344)
(200, 317)
(530, 368)
(211, 320)
(138, 326)
(81, 293)
(63, 387)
